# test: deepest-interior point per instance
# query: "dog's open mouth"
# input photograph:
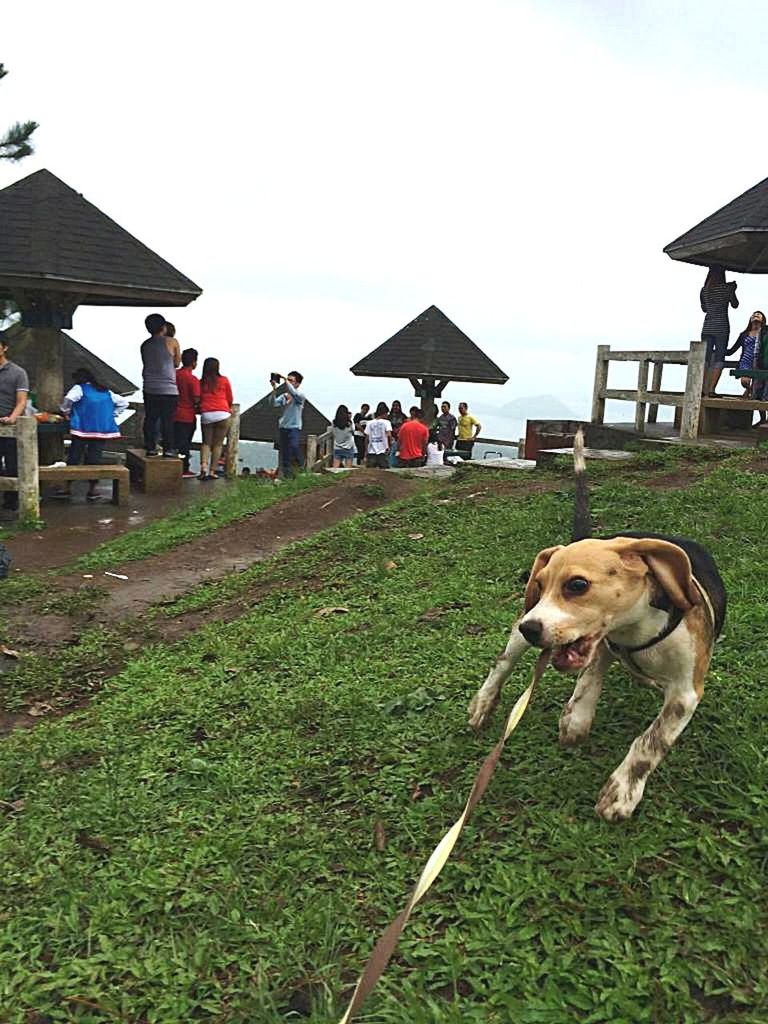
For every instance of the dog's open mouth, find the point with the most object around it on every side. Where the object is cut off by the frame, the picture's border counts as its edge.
(574, 656)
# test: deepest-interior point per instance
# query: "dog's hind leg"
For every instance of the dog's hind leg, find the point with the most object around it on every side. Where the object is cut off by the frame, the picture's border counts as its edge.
(485, 700)
(578, 713)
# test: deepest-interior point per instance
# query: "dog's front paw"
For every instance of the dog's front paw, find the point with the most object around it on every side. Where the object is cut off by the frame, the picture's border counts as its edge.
(481, 707)
(617, 800)
(571, 729)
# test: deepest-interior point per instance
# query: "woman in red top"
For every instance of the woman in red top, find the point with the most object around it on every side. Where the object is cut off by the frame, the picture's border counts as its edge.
(215, 415)
(185, 419)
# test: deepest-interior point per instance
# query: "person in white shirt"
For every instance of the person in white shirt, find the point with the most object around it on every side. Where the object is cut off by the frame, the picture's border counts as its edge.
(378, 438)
(434, 450)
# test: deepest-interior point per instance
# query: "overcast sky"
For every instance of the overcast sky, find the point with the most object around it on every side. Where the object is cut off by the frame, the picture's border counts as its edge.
(326, 171)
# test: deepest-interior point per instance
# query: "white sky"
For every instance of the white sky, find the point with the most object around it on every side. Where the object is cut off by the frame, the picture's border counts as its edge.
(326, 171)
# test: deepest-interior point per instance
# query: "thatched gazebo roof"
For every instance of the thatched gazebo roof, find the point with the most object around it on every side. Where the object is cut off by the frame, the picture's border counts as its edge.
(735, 236)
(430, 351)
(25, 352)
(430, 346)
(59, 251)
(259, 422)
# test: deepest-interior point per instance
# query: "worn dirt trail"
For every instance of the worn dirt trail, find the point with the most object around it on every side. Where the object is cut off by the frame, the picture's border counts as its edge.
(233, 548)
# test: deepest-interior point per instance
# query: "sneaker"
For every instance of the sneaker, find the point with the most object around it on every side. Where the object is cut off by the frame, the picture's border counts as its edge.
(171, 453)
(151, 453)
(189, 476)
(93, 497)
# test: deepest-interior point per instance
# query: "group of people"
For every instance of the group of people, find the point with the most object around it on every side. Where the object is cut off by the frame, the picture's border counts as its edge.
(389, 438)
(174, 397)
(717, 297)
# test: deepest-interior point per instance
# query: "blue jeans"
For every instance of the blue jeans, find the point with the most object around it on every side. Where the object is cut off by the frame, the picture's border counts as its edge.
(290, 449)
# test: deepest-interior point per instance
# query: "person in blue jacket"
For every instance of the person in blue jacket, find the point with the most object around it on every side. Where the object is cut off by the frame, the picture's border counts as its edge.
(91, 409)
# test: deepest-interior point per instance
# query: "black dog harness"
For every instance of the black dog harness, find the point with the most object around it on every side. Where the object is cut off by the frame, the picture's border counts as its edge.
(624, 654)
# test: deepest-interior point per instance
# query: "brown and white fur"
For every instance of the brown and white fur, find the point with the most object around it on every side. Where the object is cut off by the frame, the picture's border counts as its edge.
(620, 591)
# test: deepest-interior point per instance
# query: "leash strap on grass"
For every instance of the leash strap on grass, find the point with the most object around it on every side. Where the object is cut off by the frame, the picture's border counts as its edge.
(385, 947)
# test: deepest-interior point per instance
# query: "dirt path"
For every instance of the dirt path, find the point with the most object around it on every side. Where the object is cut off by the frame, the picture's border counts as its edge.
(231, 548)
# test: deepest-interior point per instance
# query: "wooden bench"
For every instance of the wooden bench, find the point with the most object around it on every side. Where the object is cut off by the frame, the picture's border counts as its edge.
(714, 414)
(119, 476)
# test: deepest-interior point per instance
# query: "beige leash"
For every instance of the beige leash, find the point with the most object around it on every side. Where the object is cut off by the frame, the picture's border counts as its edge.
(385, 947)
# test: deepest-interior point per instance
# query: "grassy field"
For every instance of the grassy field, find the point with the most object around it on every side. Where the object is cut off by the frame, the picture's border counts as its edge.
(198, 844)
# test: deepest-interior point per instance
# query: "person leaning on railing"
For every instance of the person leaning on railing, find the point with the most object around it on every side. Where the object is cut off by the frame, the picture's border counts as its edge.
(14, 391)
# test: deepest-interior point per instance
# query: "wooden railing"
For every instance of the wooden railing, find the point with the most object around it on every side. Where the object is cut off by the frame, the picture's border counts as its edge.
(232, 448)
(687, 404)
(27, 483)
(320, 451)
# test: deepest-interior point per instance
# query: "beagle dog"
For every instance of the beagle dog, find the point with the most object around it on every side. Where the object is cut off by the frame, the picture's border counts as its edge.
(654, 603)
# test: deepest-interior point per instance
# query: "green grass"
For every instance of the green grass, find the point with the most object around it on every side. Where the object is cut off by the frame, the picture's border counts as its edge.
(198, 843)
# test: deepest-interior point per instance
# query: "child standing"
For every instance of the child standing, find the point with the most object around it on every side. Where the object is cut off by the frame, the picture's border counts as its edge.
(91, 409)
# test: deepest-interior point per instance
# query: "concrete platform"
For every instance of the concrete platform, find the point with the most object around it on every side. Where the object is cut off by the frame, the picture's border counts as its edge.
(156, 475)
(547, 456)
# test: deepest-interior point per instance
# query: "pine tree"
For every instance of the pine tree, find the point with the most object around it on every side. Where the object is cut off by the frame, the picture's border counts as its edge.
(15, 145)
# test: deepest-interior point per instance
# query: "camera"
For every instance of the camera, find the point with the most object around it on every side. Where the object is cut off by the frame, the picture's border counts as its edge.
(275, 378)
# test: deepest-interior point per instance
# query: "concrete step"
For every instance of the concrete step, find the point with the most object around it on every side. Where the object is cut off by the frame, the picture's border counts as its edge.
(547, 456)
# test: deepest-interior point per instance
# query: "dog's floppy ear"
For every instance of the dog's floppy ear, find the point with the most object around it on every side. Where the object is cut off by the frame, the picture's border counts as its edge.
(533, 590)
(671, 567)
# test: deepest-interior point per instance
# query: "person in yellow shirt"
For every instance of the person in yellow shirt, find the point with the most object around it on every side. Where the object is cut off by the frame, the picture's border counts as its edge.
(468, 429)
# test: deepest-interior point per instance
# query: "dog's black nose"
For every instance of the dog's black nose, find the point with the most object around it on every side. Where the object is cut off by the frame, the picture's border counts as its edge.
(531, 630)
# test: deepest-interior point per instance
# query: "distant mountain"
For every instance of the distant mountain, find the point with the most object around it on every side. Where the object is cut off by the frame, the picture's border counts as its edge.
(539, 407)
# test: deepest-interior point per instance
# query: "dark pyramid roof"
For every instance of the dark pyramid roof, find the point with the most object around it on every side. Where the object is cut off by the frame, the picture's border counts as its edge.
(54, 240)
(430, 346)
(24, 348)
(725, 236)
(259, 422)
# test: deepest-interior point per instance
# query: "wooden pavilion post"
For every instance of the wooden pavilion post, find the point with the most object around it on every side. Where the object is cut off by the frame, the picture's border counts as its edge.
(49, 386)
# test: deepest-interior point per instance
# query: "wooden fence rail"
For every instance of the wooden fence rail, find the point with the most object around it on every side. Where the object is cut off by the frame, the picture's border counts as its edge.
(320, 451)
(687, 404)
(27, 483)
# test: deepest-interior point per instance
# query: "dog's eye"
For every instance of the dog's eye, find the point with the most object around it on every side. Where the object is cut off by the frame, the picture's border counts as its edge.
(576, 585)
